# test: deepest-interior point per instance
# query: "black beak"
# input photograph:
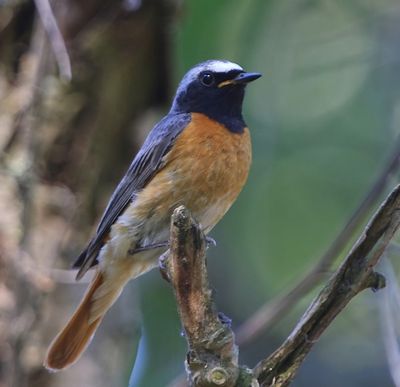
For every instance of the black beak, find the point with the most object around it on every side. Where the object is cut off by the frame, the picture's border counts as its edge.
(246, 77)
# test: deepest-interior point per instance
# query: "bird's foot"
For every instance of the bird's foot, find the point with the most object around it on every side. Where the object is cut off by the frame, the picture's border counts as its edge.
(211, 242)
(224, 319)
(162, 265)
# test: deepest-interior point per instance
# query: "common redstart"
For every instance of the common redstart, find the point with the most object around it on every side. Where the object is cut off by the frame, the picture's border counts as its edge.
(199, 156)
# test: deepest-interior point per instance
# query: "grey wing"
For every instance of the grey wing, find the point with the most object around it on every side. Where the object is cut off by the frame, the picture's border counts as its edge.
(144, 166)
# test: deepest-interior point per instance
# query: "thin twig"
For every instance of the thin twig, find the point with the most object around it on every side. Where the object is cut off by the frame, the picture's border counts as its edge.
(272, 311)
(55, 37)
(354, 275)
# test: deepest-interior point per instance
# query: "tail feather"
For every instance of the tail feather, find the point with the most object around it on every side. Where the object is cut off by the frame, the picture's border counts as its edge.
(70, 343)
(105, 288)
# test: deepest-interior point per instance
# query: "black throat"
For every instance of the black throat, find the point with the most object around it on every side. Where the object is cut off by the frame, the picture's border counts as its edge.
(234, 123)
(222, 105)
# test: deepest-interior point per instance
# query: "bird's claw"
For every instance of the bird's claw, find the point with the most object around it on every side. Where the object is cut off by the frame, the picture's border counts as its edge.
(211, 242)
(162, 265)
(224, 319)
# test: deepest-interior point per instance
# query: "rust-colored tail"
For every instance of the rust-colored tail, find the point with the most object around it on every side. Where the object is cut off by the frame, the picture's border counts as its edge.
(70, 343)
(104, 289)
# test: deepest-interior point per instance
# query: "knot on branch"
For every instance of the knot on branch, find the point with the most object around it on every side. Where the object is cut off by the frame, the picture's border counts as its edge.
(375, 281)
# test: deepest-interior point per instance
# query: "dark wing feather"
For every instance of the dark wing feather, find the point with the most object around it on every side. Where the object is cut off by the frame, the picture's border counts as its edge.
(144, 166)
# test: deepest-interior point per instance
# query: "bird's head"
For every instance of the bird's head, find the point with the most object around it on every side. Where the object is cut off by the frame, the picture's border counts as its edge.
(214, 88)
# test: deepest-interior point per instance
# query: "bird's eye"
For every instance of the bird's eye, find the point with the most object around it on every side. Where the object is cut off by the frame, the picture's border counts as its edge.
(207, 79)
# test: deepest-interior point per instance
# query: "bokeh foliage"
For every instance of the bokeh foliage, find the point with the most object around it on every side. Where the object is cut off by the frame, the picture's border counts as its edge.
(323, 119)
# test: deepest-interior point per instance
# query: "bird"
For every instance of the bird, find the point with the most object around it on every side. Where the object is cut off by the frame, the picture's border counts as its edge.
(198, 156)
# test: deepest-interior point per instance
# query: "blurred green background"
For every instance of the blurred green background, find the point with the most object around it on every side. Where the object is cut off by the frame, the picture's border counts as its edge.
(323, 120)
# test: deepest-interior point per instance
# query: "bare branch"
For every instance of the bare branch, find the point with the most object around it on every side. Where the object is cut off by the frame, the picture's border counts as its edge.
(211, 342)
(272, 311)
(55, 37)
(212, 359)
(354, 275)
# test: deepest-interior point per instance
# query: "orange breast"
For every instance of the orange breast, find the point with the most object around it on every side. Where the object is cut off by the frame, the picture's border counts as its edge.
(205, 170)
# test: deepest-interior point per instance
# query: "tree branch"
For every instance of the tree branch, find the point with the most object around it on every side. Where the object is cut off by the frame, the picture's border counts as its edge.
(213, 355)
(212, 359)
(354, 275)
(273, 310)
(55, 37)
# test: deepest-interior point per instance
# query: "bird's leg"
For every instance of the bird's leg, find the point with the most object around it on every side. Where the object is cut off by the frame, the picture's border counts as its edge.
(148, 247)
(162, 264)
(210, 242)
(162, 261)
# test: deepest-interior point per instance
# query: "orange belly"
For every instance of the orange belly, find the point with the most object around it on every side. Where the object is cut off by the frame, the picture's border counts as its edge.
(205, 171)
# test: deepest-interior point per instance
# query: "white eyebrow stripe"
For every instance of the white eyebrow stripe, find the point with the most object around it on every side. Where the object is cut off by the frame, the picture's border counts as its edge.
(223, 67)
